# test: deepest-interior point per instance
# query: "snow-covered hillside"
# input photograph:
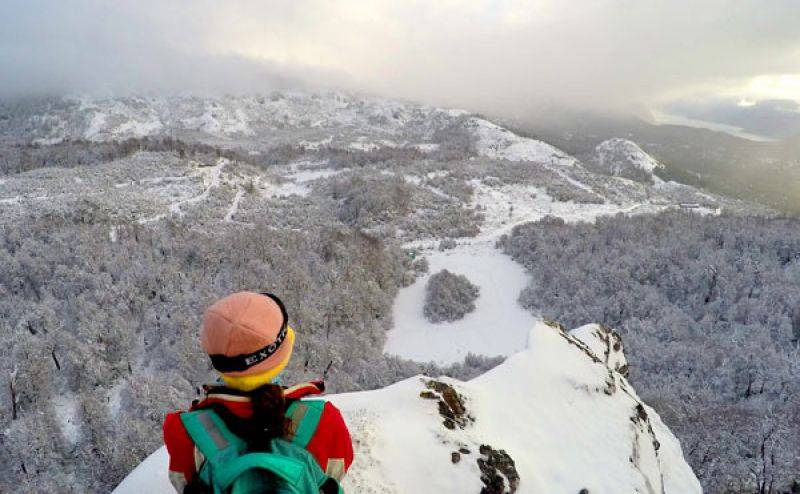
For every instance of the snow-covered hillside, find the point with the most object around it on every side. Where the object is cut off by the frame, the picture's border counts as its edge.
(557, 418)
(323, 134)
(278, 117)
(391, 181)
(624, 158)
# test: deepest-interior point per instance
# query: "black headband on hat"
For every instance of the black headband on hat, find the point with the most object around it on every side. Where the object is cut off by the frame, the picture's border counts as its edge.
(238, 363)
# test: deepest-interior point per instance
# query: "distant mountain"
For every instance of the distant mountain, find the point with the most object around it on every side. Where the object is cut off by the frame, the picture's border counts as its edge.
(764, 172)
(151, 158)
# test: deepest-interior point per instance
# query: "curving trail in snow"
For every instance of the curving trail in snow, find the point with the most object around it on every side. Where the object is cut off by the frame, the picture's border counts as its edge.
(498, 324)
(211, 179)
(234, 207)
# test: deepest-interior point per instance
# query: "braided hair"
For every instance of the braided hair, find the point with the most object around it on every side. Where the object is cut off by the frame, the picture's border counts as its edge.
(268, 421)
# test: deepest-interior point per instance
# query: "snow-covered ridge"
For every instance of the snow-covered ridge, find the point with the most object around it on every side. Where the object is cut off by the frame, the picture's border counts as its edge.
(499, 143)
(297, 141)
(621, 157)
(228, 117)
(562, 410)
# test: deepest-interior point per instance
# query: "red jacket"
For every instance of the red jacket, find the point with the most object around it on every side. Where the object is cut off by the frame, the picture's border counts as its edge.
(330, 445)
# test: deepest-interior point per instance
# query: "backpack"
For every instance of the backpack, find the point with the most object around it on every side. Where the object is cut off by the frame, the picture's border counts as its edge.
(230, 469)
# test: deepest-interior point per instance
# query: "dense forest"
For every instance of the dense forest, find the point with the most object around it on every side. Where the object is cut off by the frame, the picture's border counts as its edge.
(709, 308)
(99, 331)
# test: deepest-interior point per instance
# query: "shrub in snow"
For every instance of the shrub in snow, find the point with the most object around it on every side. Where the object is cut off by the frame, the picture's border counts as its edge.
(449, 297)
(450, 220)
(366, 201)
(566, 192)
(420, 265)
(447, 244)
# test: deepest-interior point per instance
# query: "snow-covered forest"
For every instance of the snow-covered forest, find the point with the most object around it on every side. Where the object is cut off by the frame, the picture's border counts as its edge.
(709, 309)
(123, 219)
(100, 337)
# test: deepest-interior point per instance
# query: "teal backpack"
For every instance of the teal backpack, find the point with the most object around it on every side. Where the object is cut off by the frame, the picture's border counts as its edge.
(229, 469)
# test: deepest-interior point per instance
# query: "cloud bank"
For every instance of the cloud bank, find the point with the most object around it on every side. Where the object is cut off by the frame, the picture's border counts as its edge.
(491, 55)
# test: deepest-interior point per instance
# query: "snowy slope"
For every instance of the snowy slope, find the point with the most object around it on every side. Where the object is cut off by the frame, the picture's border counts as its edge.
(499, 143)
(567, 420)
(284, 130)
(230, 118)
(621, 157)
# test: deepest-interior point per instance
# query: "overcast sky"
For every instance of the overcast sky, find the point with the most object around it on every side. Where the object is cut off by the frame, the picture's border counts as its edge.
(705, 59)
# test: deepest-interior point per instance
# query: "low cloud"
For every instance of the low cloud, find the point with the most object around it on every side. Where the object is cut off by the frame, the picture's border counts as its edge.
(502, 56)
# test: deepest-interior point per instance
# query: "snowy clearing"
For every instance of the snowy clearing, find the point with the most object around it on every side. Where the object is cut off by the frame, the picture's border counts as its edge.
(498, 326)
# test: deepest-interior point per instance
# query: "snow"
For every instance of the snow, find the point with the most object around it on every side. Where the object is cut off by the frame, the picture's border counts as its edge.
(574, 431)
(413, 179)
(427, 147)
(234, 208)
(11, 200)
(509, 205)
(66, 413)
(238, 125)
(220, 121)
(363, 146)
(155, 181)
(567, 421)
(135, 128)
(298, 177)
(115, 398)
(211, 179)
(617, 153)
(498, 143)
(315, 145)
(286, 189)
(48, 141)
(150, 476)
(96, 126)
(309, 175)
(498, 326)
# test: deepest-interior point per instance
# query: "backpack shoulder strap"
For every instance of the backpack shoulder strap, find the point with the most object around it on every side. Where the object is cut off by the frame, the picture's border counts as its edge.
(210, 434)
(304, 416)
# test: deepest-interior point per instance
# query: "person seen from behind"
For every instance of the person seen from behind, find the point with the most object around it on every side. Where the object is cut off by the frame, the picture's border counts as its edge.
(249, 434)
